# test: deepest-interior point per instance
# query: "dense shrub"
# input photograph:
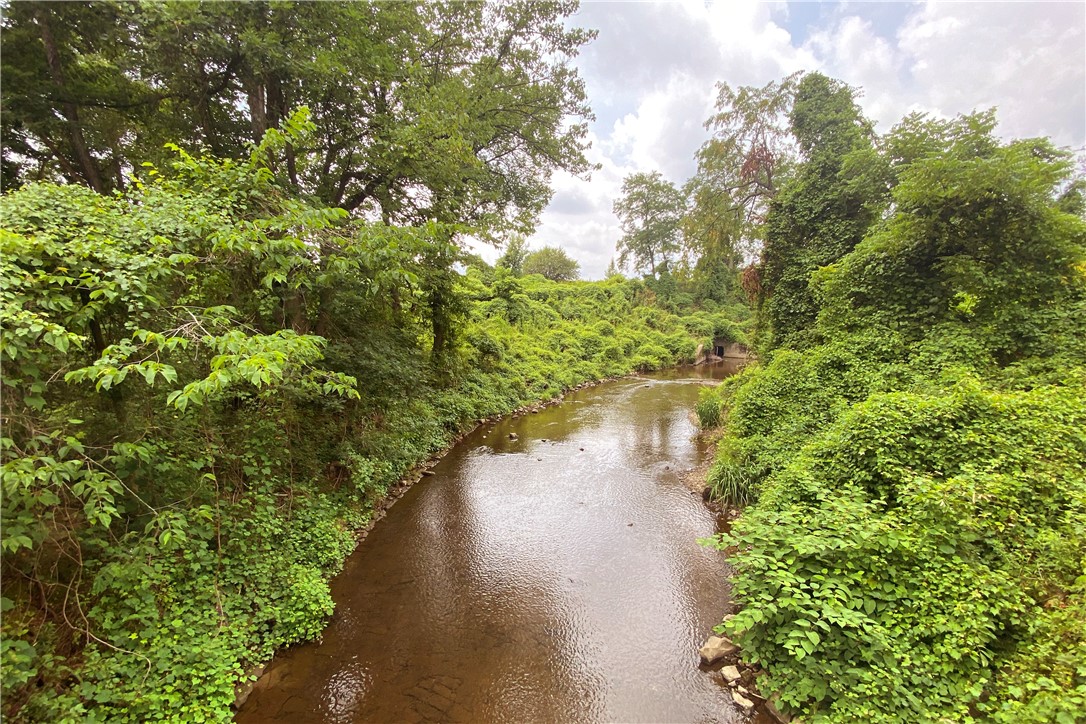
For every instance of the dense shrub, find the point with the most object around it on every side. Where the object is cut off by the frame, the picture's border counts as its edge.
(917, 546)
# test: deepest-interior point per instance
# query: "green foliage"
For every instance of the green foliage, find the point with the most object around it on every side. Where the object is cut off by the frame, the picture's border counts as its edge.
(209, 386)
(516, 251)
(916, 548)
(731, 478)
(897, 562)
(467, 108)
(553, 263)
(708, 408)
(823, 211)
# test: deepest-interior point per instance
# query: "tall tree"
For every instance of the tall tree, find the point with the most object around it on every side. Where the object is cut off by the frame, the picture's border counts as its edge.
(650, 211)
(68, 103)
(823, 212)
(452, 112)
(741, 167)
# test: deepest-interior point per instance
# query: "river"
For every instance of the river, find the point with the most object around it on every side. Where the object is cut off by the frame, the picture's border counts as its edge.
(552, 577)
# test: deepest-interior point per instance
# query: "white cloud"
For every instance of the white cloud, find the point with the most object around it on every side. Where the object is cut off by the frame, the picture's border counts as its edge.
(651, 75)
(1028, 59)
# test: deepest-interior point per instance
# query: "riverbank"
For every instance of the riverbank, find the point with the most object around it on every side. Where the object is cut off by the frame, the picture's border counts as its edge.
(719, 654)
(232, 516)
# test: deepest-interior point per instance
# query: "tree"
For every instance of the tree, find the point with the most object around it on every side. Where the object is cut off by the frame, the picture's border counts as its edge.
(824, 210)
(451, 112)
(741, 168)
(650, 211)
(612, 270)
(63, 70)
(553, 263)
(515, 253)
(979, 246)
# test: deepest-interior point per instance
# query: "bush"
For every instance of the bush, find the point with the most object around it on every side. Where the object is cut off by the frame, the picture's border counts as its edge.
(927, 523)
(708, 407)
(916, 547)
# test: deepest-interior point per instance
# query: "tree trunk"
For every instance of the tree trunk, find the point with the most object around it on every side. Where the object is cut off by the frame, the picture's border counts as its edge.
(324, 298)
(203, 112)
(116, 400)
(294, 311)
(324, 313)
(258, 109)
(71, 111)
(441, 332)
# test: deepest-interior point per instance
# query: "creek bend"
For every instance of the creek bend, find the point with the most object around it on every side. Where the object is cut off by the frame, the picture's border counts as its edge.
(554, 577)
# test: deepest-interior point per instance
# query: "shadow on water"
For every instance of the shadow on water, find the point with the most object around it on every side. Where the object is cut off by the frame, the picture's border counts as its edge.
(554, 577)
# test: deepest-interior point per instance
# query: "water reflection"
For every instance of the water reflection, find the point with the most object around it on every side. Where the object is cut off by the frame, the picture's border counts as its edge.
(552, 577)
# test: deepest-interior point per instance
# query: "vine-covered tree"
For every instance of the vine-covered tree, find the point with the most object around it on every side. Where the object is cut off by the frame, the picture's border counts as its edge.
(824, 210)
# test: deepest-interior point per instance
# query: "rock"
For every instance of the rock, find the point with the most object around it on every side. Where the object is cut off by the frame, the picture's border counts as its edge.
(771, 709)
(428, 473)
(245, 687)
(707, 494)
(742, 701)
(716, 648)
(749, 694)
(731, 674)
(512, 436)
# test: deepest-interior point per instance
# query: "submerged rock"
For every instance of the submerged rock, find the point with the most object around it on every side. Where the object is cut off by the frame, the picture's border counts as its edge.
(512, 436)
(716, 648)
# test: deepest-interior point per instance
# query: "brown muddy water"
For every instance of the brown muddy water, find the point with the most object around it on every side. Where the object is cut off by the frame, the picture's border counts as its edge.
(555, 577)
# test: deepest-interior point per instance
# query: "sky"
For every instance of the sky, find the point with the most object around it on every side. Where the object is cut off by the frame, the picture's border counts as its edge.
(651, 77)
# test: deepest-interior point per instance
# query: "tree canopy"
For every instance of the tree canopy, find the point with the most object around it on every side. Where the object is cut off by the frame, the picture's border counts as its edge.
(553, 263)
(450, 112)
(650, 211)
